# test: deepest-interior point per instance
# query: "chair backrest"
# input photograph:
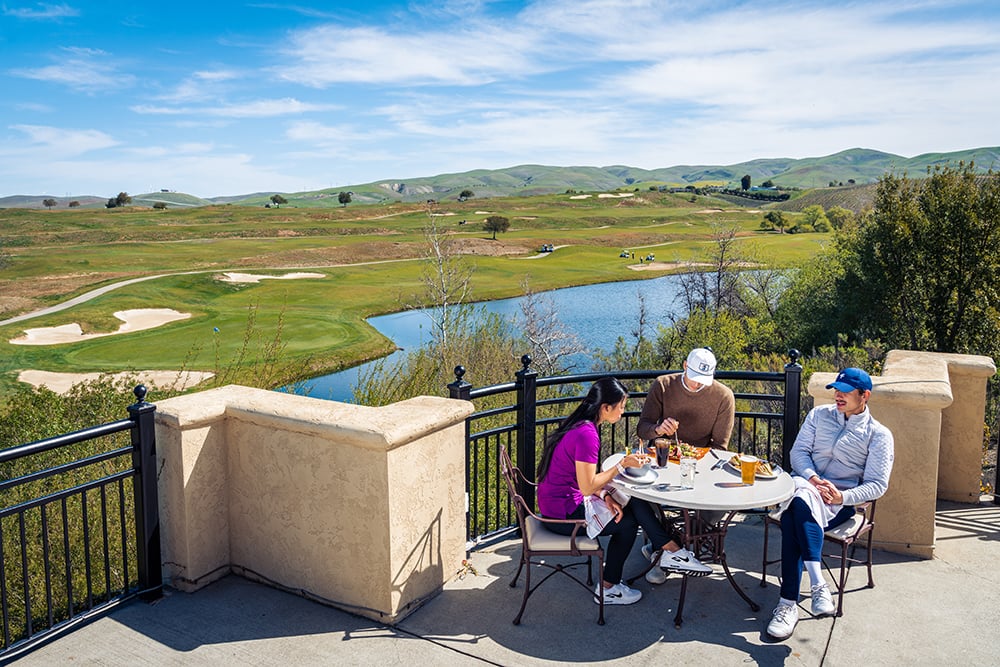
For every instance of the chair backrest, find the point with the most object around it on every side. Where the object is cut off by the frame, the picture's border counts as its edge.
(514, 479)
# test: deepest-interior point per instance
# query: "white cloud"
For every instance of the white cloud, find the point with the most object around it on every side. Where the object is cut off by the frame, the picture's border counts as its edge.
(217, 75)
(254, 109)
(45, 11)
(81, 69)
(371, 56)
(64, 142)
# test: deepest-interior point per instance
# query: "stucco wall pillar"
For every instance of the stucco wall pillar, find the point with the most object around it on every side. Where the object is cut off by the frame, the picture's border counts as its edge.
(938, 443)
(960, 469)
(362, 508)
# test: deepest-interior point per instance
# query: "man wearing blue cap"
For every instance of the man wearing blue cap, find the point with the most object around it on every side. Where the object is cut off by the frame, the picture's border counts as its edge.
(841, 457)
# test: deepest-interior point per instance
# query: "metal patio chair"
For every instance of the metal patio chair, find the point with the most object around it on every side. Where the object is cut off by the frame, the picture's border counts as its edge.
(537, 542)
(846, 536)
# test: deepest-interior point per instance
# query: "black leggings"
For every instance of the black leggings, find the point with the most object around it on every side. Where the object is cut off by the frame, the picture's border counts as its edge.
(622, 534)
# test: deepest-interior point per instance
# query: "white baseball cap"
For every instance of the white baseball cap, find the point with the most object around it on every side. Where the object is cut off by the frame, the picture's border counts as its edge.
(701, 365)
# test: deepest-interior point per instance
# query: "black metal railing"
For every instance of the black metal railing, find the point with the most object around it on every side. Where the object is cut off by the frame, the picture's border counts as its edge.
(768, 414)
(79, 527)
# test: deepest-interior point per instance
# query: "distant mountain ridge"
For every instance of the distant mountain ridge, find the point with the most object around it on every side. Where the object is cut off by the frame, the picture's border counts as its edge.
(860, 165)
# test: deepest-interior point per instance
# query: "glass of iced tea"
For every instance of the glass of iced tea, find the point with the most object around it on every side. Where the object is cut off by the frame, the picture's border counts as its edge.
(662, 452)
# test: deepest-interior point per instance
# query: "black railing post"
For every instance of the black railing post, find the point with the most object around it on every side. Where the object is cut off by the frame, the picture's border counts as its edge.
(147, 509)
(526, 409)
(793, 403)
(460, 389)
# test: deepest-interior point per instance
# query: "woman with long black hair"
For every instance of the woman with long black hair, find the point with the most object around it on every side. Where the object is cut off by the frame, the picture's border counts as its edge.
(567, 472)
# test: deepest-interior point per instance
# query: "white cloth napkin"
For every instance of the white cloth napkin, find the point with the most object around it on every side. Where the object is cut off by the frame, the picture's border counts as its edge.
(597, 512)
(821, 512)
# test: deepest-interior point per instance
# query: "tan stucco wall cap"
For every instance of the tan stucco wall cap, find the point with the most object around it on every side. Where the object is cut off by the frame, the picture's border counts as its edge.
(962, 364)
(379, 428)
(927, 388)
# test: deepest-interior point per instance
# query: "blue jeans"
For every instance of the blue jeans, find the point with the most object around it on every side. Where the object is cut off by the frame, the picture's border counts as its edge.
(802, 540)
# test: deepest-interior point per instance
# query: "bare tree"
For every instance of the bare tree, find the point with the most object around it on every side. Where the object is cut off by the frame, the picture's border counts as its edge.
(760, 286)
(447, 279)
(551, 342)
(716, 289)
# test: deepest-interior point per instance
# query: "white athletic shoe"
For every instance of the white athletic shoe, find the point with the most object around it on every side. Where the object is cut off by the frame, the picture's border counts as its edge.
(617, 594)
(822, 601)
(783, 620)
(684, 562)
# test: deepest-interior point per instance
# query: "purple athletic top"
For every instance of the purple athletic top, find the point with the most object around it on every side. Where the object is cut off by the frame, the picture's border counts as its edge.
(558, 494)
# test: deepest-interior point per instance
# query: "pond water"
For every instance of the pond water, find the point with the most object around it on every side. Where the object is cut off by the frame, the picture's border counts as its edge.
(597, 314)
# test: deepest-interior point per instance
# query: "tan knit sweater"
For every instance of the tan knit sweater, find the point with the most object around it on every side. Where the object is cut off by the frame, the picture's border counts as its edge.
(706, 417)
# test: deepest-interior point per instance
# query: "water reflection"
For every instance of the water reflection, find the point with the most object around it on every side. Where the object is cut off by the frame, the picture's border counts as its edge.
(597, 314)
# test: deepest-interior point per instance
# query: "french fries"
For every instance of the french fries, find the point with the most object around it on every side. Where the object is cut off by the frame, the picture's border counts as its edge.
(764, 468)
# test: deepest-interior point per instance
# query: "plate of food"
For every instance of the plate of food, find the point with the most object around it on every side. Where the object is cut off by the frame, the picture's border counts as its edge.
(765, 469)
(643, 475)
(679, 449)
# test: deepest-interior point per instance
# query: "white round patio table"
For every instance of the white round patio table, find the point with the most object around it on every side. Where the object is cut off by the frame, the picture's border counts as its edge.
(717, 487)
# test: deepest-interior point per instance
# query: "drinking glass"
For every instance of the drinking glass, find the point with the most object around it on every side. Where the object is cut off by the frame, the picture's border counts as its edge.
(662, 452)
(748, 469)
(688, 465)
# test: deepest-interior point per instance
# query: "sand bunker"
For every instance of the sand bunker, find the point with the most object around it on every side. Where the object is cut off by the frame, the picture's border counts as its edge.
(61, 383)
(230, 277)
(663, 266)
(605, 195)
(134, 320)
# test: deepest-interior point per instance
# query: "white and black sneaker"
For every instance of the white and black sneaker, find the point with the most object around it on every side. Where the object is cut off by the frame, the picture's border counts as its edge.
(655, 575)
(617, 594)
(684, 562)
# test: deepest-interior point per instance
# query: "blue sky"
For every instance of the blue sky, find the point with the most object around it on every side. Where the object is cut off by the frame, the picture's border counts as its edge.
(224, 98)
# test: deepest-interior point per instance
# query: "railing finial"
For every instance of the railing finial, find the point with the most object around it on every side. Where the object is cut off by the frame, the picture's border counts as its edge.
(140, 393)
(794, 355)
(526, 361)
(459, 372)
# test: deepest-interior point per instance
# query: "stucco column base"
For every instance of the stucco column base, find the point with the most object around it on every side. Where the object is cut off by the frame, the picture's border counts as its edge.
(361, 508)
(934, 404)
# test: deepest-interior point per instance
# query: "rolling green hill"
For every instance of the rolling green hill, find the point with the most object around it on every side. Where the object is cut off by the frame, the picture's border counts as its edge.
(855, 166)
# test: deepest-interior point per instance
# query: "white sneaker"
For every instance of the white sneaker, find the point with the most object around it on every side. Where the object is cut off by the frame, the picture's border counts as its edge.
(822, 601)
(683, 561)
(617, 594)
(655, 576)
(783, 620)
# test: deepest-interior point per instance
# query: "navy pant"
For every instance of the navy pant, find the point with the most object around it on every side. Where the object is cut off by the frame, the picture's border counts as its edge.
(622, 534)
(802, 540)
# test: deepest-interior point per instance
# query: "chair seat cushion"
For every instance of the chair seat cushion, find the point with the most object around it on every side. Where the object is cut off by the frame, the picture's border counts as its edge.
(540, 538)
(848, 528)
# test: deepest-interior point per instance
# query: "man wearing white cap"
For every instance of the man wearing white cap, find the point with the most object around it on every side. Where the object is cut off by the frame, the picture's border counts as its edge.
(700, 411)
(691, 404)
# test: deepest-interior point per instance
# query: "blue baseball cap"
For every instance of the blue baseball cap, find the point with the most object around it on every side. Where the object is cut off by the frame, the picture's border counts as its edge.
(850, 379)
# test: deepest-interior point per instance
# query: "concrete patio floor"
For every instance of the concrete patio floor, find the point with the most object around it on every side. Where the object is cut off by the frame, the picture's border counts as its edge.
(943, 611)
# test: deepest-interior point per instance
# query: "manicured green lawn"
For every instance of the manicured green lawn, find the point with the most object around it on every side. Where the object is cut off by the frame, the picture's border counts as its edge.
(370, 258)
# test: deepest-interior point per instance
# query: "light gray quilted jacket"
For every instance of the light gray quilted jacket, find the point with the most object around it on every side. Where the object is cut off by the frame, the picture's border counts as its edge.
(856, 454)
